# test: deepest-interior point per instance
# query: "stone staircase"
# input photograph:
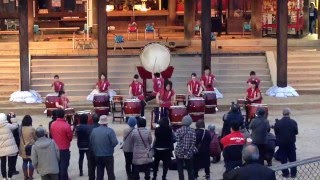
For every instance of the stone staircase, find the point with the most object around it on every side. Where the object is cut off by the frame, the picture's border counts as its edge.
(80, 74)
(304, 71)
(9, 76)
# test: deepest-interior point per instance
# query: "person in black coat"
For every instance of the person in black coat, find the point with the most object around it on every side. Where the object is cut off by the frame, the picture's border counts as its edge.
(83, 134)
(202, 158)
(54, 118)
(163, 146)
(92, 161)
(286, 130)
(16, 138)
(252, 169)
(234, 115)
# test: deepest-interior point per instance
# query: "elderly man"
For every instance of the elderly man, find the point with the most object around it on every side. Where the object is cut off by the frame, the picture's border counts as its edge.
(103, 140)
(251, 169)
(286, 130)
(260, 126)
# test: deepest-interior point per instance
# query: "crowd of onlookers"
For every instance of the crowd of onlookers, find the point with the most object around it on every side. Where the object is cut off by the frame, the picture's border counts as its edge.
(244, 147)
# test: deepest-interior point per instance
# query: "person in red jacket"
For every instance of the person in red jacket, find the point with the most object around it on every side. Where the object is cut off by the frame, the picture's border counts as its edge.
(136, 91)
(253, 77)
(57, 85)
(207, 80)
(62, 135)
(165, 99)
(194, 86)
(158, 85)
(103, 84)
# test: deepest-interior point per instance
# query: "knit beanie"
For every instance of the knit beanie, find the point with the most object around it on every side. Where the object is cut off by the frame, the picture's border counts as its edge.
(261, 112)
(3, 117)
(187, 120)
(132, 121)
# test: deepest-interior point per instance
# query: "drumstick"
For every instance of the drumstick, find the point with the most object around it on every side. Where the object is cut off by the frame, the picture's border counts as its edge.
(155, 62)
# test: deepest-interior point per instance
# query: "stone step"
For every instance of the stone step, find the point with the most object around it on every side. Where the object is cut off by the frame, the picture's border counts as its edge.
(49, 62)
(69, 93)
(68, 87)
(54, 68)
(72, 80)
(10, 69)
(64, 74)
(9, 81)
(10, 87)
(304, 68)
(302, 59)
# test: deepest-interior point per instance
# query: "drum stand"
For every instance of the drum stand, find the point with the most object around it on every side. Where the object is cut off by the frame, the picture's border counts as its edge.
(115, 105)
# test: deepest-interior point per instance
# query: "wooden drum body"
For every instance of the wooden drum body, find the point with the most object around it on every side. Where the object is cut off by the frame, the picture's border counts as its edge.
(117, 98)
(196, 108)
(242, 102)
(253, 109)
(50, 104)
(181, 98)
(210, 101)
(101, 104)
(79, 113)
(176, 114)
(132, 107)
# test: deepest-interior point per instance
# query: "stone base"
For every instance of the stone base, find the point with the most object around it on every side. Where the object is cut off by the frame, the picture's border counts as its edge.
(279, 92)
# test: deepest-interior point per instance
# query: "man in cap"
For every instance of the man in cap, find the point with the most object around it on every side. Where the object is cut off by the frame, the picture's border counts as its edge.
(260, 126)
(45, 156)
(103, 140)
(286, 130)
(185, 149)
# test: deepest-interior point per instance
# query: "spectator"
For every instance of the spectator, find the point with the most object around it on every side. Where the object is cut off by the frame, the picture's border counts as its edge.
(127, 146)
(270, 148)
(251, 169)
(286, 130)
(142, 157)
(8, 146)
(103, 140)
(232, 147)
(28, 137)
(54, 118)
(313, 16)
(10, 117)
(83, 134)
(62, 135)
(202, 157)
(260, 126)
(92, 162)
(234, 115)
(215, 149)
(163, 146)
(45, 156)
(185, 149)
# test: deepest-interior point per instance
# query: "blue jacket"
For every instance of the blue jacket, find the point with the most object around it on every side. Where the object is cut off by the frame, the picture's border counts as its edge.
(103, 140)
(83, 134)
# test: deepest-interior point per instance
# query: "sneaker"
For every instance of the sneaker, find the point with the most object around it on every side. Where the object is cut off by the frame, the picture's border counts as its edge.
(285, 175)
(15, 173)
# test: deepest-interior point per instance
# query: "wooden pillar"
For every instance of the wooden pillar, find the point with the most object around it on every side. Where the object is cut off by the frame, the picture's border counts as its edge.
(206, 34)
(30, 19)
(24, 45)
(189, 19)
(172, 8)
(95, 18)
(102, 38)
(256, 18)
(282, 43)
(306, 17)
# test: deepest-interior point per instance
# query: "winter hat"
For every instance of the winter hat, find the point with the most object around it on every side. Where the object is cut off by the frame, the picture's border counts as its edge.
(40, 132)
(211, 127)
(187, 120)
(261, 112)
(132, 121)
(3, 117)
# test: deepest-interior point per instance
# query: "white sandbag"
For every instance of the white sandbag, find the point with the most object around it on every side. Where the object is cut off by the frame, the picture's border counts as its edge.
(218, 93)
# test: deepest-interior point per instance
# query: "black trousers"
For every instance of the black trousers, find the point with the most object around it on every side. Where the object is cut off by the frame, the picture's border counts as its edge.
(92, 166)
(189, 165)
(81, 157)
(64, 164)
(129, 166)
(288, 152)
(262, 152)
(143, 105)
(105, 162)
(10, 166)
(165, 157)
(141, 168)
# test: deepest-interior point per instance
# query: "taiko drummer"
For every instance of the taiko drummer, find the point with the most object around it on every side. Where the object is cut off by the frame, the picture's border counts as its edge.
(166, 98)
(207, 80)
(253, 96)
(194, 86)
(103, 84)
(57, 85)
(136, 91)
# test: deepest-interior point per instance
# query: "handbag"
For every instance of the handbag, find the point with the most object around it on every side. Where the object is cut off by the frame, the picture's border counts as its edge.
(125, 138)
(150, 151)
(27, 147)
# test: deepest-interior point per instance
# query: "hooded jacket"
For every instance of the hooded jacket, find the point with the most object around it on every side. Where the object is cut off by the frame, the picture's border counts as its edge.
(45, 156)
(8, 146)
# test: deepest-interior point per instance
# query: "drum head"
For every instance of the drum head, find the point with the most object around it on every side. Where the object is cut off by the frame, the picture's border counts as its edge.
(155, 57)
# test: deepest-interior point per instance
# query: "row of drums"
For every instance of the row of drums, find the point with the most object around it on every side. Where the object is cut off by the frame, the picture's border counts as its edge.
(195, 106)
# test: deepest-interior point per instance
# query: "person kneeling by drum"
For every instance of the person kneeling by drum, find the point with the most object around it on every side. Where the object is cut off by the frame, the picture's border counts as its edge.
(194, 86)
(136, 91)
(165, 99)
(253, 96)
(63, 103)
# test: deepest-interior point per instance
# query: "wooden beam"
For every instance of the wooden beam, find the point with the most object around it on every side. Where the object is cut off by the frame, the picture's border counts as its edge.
(24, 45)
(30, 19)
(206, 34)
(282, 43)
(189, 19)
(102, 38)
(95, 18)
(172, 8)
